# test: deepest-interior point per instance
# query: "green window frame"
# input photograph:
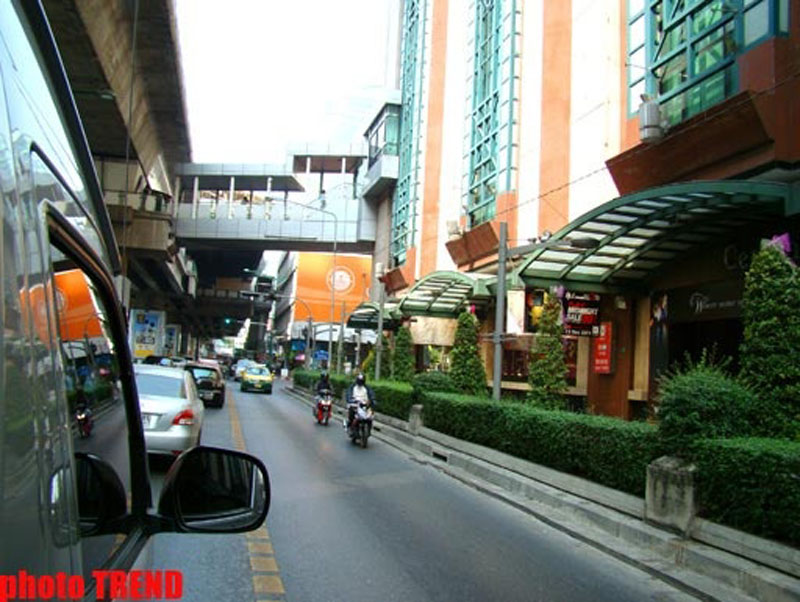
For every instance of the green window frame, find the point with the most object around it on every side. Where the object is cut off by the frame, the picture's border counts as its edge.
(404, 203)
(683, 52)
(495, 98)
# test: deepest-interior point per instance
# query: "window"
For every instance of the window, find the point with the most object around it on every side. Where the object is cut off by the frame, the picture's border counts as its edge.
(493, 99)
(405, 196)
(684, 51)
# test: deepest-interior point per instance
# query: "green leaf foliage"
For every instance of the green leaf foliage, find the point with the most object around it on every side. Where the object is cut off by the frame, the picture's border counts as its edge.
(605, 450)
(403, 356)
(466, 367)
(434, 381)
(702, 401)
(394, 398)
(752, 485)
(547, 369)
(770, 349)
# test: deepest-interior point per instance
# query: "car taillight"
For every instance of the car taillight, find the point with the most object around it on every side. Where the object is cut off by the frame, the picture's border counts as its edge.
(186, 417)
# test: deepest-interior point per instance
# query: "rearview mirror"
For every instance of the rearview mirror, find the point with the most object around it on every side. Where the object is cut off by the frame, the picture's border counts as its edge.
(211, 490)
(101, 495)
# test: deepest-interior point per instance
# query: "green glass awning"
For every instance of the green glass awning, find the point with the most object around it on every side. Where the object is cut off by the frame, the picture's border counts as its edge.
(366, 316)
(639, 234)
(445, 294)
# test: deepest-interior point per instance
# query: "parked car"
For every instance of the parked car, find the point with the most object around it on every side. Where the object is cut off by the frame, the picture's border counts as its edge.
(172, 412)
(257, 378)
(209, 380)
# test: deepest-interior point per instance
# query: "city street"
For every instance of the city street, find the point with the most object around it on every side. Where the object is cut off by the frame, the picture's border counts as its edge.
(354, 524)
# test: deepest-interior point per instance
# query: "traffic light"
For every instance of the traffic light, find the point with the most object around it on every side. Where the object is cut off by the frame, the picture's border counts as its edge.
(228, 321)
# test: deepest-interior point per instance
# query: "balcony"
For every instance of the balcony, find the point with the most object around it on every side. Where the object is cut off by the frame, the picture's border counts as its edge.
(384, 162)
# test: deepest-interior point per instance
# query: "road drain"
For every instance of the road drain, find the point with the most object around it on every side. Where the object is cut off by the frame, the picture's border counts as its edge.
(439, 456)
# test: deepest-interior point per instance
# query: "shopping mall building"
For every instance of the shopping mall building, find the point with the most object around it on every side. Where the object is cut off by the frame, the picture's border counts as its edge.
(637, 151)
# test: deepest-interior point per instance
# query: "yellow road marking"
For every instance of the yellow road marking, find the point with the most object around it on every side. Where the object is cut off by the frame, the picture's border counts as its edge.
(258, 544)
(268, 584)
(259, 547)
(264, 564)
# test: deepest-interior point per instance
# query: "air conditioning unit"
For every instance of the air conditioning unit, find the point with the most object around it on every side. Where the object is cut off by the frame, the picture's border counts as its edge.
(651, 128)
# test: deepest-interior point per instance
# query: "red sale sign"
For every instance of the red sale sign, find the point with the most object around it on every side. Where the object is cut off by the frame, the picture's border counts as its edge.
(602, 349)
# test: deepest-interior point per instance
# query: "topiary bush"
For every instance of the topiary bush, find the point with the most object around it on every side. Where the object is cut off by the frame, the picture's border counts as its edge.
(403, 356)
(606, 450)
(770, 349)
(434, 381)
(702, 401)
(751, 484)
(466, 367)
(547, 369)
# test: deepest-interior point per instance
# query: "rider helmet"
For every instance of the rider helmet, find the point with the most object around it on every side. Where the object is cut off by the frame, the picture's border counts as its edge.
(361, 380)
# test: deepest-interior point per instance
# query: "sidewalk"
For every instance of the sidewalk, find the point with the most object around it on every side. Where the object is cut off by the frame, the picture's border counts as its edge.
(726, 565)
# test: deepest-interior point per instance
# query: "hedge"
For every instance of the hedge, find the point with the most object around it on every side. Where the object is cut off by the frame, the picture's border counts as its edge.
(394, 398)
(751, 484)
(609, 451)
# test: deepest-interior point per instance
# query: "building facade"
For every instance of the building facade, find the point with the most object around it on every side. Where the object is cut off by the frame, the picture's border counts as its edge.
(528, 113)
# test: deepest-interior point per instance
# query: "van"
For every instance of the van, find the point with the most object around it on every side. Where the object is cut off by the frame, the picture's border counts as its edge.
(70, 505)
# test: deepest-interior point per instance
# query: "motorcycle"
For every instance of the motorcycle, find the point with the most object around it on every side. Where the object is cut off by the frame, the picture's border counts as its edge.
(322, 411)
(361, 426)
(83, 416)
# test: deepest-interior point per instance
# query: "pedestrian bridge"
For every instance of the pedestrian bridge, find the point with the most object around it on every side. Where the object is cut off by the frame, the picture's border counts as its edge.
(248, 207)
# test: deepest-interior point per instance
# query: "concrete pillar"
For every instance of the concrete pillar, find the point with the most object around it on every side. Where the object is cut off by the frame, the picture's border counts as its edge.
(230, 197)
(308, 164)
(344, 165)
(195, 196)
(176, 196)
(415, 419)
(670, 498)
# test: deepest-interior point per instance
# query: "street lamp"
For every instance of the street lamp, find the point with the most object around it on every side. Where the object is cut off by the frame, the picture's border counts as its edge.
(500, 297)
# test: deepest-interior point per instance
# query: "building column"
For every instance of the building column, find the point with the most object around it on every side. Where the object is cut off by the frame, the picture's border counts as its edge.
(230, 197)
(195, 195)
(176, 196)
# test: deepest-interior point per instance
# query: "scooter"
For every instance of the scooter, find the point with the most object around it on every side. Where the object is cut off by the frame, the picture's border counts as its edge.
(83, 416)
(361, 427)
(322, 411)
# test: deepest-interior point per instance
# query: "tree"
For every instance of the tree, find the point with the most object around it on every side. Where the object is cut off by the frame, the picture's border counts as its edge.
(547, 369)
(466, 366)
(403, 356)
(770, 349)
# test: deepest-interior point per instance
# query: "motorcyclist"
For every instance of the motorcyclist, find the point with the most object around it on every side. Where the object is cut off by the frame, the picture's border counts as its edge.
(357, 392)
(323, 383)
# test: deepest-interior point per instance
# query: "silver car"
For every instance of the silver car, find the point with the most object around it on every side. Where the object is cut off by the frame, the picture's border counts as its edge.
(172, 413)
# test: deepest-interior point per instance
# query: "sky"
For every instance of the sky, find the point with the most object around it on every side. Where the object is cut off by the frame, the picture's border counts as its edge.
(264, 76)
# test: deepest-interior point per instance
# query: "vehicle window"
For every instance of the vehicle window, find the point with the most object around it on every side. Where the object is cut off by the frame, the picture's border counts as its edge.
(156, 384)
(257, 371)
(91, 381)
(204, 373)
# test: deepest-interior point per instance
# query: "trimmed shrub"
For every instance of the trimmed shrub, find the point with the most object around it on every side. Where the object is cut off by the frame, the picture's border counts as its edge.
(612, 452)
(306, 379)
(702, 402)
(547, 369)
(434, 381)
(403, 356)
(393, 398)
(466, 366)
(752, 485)
(770, 349)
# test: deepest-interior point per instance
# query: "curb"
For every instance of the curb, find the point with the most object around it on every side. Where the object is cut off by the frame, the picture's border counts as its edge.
(701, 570)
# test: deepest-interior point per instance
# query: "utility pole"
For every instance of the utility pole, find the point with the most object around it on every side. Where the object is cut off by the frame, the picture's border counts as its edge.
(500, 310)
(341, 341)
(379, 340)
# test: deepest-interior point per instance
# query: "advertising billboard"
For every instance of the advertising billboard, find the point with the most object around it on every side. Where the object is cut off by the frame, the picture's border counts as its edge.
(316, 277)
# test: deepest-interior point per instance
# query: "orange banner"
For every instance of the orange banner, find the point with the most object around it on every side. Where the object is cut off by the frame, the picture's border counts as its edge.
(315, 276)
(77, 314)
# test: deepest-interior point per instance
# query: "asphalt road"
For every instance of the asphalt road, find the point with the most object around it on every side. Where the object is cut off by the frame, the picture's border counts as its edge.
(371, 524)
